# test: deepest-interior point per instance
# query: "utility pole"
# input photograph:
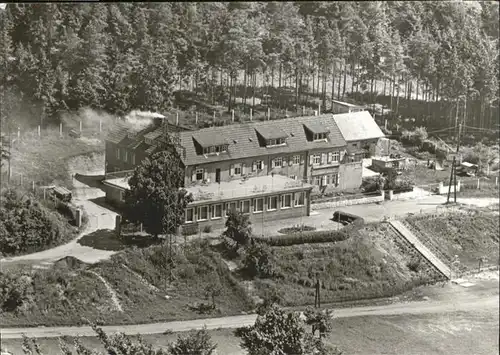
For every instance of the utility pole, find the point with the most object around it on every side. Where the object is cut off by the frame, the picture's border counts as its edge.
(454, 170)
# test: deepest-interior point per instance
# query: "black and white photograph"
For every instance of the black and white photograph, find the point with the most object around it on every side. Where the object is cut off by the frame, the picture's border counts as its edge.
(249, 178)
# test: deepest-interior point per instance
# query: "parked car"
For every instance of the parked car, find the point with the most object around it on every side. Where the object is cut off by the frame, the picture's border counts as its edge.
(346, 218)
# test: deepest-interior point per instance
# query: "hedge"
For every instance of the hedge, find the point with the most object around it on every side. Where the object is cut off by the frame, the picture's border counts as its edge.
(312, 237)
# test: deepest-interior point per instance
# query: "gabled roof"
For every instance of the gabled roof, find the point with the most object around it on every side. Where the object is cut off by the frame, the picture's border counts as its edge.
(243, 140)
(357, 126)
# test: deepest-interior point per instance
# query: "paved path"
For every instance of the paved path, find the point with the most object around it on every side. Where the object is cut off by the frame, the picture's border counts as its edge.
(423, 307)
(99, 218)
(422, 249)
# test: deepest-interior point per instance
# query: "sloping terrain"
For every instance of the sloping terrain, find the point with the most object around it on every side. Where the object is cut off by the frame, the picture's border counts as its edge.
(372, 263)
(470, 236)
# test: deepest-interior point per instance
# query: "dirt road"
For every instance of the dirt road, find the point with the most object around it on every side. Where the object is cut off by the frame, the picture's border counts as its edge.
(470, 303)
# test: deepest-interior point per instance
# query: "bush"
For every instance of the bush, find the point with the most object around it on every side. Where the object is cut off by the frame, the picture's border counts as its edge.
(313, 237)
(207, 229)
(297, 229)
(259, 261)
(27, 226)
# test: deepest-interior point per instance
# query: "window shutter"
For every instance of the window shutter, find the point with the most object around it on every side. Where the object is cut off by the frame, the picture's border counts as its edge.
(243, 169)
(193, 175)
(205, 174)
(311, 160)
(302, 159)
(323, 158)
(263, 165)
(330, 157)
(231, 173)
(254, 166)
(283, 161)
(290, 161)
(342, 153)
(324, 180)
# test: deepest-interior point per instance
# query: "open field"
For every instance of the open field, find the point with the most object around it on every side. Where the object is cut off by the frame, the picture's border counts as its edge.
(468, 236)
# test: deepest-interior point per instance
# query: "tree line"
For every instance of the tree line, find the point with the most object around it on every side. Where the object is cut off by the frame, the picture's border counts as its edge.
(122, 56)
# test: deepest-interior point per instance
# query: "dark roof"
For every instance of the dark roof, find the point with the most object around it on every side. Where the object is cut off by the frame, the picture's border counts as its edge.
(208, 139)
(244, 142)
(316, 127)
(272, 132)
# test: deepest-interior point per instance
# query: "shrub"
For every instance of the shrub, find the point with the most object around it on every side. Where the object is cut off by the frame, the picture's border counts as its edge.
(238, 227)
(297, 229)
(207, 229)
(312, 237)
(258, 261)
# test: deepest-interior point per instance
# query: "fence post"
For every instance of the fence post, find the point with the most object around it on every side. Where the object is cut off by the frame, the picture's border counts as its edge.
(478, 183)
(38, 130)
(18, 132)
(33, 185)
(232, 115)
(80, 125)
(251, 114)
(268, 113)
(100, 126)
(60, 129)
(196, 118)
(44, 192)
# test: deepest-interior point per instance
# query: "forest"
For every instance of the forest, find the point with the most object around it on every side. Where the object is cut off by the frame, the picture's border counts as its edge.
(116, 57)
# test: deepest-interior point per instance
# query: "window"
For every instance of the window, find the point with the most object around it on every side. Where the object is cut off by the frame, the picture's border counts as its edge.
(202, 213)
(148, 141)
(316, 180)
(334, 179)
(277, 162)
(237, 169)
(258, 205)
(272, 203)
(245, 206)
(258, 165)
(117, 153)
(299, 198)
(216, 211)
(199, 174)
(335, 156)
(286, 201)
(274, 142)
(189, 215)
(132, 157)
(230, 206)
(319, 136)
(215, 149)
(317, 159)
(125, 155)
(293, 177)
(296, 159)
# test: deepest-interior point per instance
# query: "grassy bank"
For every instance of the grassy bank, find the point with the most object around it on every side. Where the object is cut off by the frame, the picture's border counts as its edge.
(372, 263)
(142, 290)
(470, 236)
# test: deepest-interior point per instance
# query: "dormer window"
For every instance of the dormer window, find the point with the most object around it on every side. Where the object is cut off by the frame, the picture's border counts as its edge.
(316, 132)
(271, 136)
(320, 136)
(275, 142)
(215, 149)
(148, 141)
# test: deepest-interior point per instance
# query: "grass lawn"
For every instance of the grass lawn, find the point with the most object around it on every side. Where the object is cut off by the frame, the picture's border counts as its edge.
(460, 333)
(140, 279)
(468, 236)
(372, 263)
